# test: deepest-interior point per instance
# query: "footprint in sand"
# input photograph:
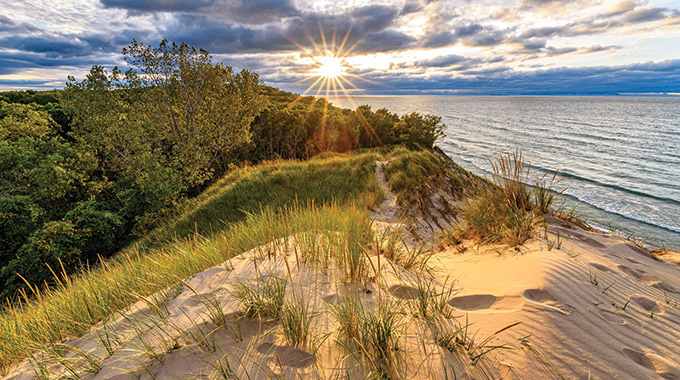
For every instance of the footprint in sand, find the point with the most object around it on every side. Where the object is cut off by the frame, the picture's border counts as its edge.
(650, 360)
(631, 272)
(649, 279)
(648, 304)
(486, 301)
(542, 296)
(332, 299)
(601, 267)
(666, 287)
(289, 356)
(618, 318)
(403, 292)
(592, 242)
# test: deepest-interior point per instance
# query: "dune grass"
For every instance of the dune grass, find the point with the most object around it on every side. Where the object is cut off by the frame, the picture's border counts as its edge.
(250, 208)
(415, 175)
(507, 209)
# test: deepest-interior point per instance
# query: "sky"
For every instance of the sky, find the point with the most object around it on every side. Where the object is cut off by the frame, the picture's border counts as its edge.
(390, 47)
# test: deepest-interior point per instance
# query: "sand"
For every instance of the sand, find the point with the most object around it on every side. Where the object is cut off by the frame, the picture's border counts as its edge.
(596, 307)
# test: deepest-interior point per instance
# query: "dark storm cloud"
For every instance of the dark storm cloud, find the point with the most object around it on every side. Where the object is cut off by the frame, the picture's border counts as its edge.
(470, 34)
(600, 23)
(442, 61)
(14, 62)
(158, 5)
(438, 39)
(374, 18)
(645, 15)
(242, 11)
(253, 11)
(411, 6)
(53, 46)
(56, 45)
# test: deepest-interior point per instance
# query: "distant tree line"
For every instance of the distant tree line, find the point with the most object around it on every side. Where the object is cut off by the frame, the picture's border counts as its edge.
(88, 169)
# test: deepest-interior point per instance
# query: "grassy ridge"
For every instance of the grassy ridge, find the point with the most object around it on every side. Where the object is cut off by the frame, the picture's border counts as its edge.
(254, 207)
(274, 184)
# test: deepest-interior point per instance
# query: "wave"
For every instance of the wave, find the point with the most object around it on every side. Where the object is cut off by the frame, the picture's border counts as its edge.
(568, 175)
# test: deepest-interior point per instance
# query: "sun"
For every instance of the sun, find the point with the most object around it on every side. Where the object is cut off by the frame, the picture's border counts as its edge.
(330, 67)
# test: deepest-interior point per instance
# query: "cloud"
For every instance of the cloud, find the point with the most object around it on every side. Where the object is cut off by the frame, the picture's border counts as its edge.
(640, 15)
(241, 11)
(442, 61)
(158, 5)
(16, 62)
(7, 25)
(374, 18)
(367, 30)
(466, 43)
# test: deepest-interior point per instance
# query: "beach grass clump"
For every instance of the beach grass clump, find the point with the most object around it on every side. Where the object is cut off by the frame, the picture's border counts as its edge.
(296, 320)
(355, 235)
(507, 209)
(461, 337)
(348, 312)
(379, 339)
(264, 298)
(431, 299)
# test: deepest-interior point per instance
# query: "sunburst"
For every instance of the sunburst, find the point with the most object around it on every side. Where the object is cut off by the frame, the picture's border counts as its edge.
(330, 72)
(330, 67)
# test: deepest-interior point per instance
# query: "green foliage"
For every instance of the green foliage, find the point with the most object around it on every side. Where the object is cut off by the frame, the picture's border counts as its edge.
(419, 131)
(19, 217)
(382, 127)
(299, 127)
(176, 113)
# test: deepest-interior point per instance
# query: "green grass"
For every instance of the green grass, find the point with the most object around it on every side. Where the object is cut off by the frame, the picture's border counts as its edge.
(379, 339)
(296, 320)
(264, 298)
(274, 184)
(415, 175)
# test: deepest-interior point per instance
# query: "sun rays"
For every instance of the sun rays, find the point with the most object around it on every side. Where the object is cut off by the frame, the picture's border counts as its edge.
(329, 73)
(327, 68)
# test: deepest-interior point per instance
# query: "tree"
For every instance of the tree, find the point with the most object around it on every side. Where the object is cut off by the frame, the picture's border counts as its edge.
(167, 125)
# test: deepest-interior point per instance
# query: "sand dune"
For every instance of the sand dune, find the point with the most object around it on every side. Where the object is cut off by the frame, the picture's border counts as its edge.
(577, 305)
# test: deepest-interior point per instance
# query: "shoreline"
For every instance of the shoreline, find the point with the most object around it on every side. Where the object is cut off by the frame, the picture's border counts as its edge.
(634, 235)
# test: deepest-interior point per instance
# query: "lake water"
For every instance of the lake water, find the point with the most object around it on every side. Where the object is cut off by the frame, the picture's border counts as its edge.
(620, 156)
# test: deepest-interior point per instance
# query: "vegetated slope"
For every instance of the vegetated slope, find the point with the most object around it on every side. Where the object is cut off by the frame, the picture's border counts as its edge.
(261, 203)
